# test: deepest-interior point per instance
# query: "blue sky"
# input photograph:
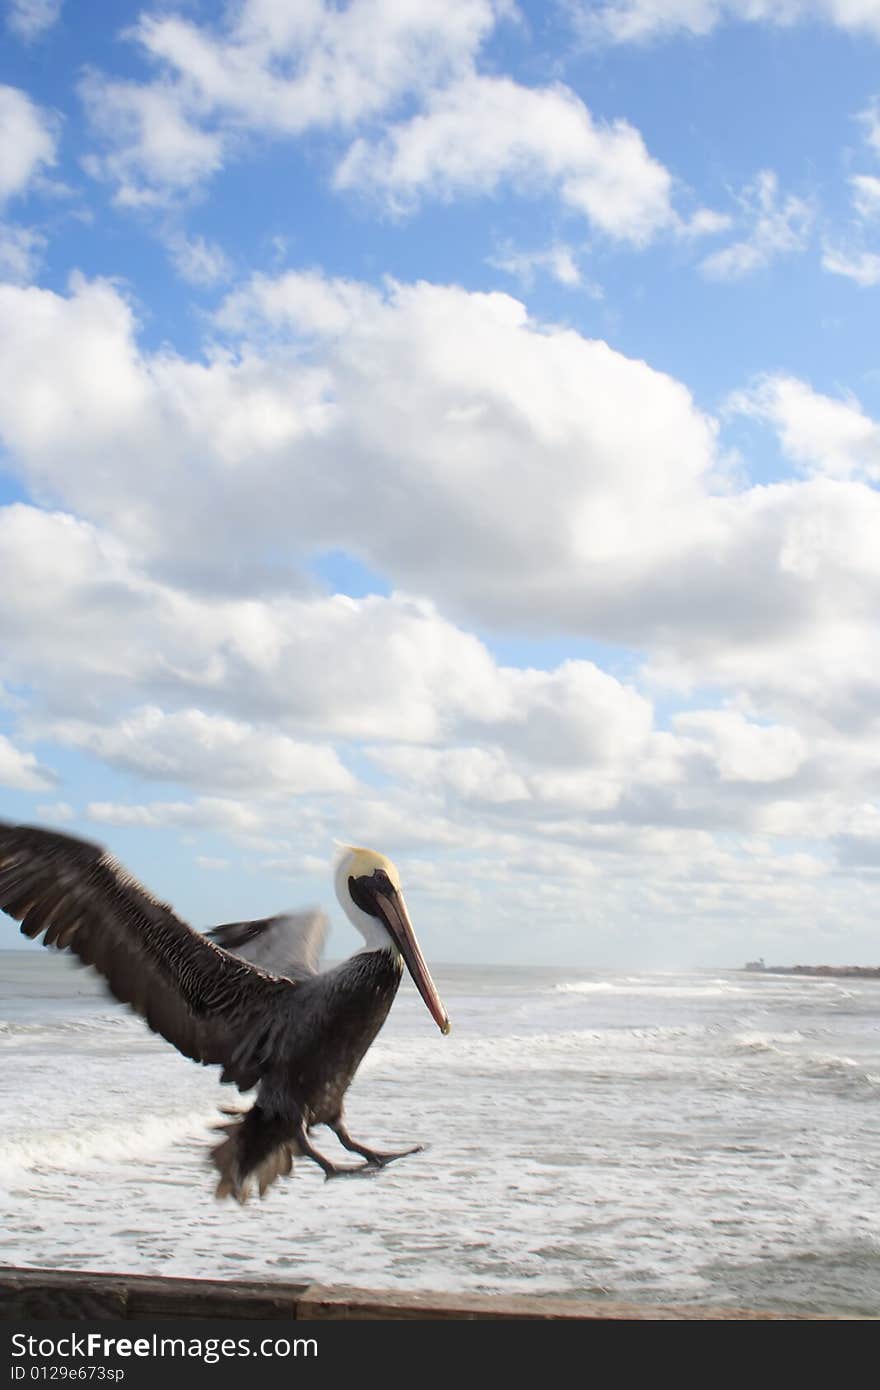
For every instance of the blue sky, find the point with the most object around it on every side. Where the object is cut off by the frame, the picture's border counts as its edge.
(451, 427)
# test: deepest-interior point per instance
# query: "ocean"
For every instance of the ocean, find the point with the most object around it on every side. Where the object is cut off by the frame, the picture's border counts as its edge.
(699, 1137)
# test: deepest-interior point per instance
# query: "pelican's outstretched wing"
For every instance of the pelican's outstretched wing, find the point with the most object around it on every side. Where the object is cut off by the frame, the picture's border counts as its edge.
(290, 944)
(213, 1006)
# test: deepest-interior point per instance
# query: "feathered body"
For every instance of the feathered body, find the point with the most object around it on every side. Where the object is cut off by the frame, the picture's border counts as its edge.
(297, 1034)
(337, 1018)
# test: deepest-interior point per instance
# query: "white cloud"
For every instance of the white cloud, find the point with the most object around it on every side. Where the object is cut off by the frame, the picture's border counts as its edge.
(269, 69)
(56, 812)
(410, 391)
(480, 131)
(704, 222)
(633, 21)
(317, 65)
(807, 651)
(27, 141)
(861, 266)
(154, 145)
(775, 228)
(526, 783)
(205, 813)
(558, 261)
(267, 73)
(866, 195)
(198, 261)
(744, 751)
(21, 770)
(304, 666)
(520, 474)
(473, 774)
(211, 862)
(521, 763)
(870, 119)
(207, 752)
(21, 251)
(297, 303)
(819, 433)
(855, 261)
(29, 19)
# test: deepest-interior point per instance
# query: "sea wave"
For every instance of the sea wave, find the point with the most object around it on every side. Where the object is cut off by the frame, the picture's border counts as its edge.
(581, 1049)
(659, 990)
(114, 1022)
(81, 1150)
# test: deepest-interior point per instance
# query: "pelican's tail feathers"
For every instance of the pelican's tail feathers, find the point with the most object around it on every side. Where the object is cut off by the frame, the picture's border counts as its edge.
(258, 1148)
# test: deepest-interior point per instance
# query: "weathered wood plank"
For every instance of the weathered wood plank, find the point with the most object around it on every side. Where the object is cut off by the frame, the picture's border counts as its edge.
(54, 1293)
(348, 1303)
(51, 1293)
(206, 1298)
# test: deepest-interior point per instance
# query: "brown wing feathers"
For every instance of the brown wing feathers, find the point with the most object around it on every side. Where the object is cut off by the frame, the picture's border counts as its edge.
(214, 1007)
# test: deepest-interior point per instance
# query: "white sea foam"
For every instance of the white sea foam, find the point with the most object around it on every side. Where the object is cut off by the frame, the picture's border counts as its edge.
(586, 987)
(766, 1042)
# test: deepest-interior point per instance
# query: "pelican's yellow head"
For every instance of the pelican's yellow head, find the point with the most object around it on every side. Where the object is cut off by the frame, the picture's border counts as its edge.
(369, 891)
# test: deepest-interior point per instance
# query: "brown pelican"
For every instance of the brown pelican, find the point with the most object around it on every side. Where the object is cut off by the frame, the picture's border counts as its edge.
(281, 1025)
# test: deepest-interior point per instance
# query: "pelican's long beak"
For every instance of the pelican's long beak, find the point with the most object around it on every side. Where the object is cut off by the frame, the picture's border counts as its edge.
(392, 909)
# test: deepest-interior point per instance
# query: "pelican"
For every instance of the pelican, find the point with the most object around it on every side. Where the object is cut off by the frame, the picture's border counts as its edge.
(252, 1000)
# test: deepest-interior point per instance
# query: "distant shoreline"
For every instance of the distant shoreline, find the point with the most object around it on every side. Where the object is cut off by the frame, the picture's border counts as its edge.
(860, 972)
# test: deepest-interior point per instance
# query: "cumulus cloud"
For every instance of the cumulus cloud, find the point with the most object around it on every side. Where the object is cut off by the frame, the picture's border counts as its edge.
(207, 752)
(775, 227)
(480, 131)
(519, 473)
(154, 145)
(818, 433)
(21, 770)
(268, 70)
(349, 72)
(526, 784)
(372, 668)
(471, 753)
(742, 750)
(516, 473)
(27, 141)
(448, 407)
(204, 813)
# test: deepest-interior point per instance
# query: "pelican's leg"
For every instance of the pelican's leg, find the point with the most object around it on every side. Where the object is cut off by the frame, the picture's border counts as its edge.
(374, 1158)
(331, 1170)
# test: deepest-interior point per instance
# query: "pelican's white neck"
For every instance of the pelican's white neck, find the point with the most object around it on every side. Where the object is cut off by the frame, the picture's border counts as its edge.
(376, 935)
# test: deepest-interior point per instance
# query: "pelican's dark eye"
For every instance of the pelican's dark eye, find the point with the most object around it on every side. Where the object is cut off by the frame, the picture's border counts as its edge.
(362, 892)
(364, 889)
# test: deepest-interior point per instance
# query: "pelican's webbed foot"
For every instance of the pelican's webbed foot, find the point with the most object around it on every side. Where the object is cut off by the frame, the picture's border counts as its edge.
(375, 1158)
(330, 1170)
